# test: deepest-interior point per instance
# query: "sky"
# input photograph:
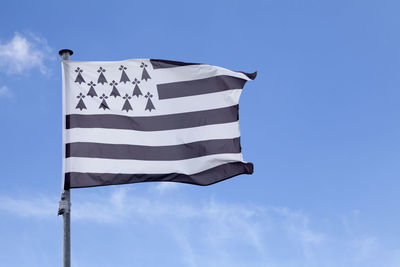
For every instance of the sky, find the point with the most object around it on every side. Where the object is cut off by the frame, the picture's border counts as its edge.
(320, 123)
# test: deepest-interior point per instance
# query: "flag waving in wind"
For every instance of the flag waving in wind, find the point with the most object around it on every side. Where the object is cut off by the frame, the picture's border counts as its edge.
(150, 120)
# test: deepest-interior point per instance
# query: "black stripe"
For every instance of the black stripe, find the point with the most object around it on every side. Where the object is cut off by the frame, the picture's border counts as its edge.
(207, 177)
(163, 64)
(199, 87)
(173, 152)
(154, 123)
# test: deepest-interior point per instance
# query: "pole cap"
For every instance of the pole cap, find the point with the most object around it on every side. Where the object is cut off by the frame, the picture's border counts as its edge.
(62, 51)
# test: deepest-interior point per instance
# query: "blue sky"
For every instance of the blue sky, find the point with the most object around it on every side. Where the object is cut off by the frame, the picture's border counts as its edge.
(320, 123)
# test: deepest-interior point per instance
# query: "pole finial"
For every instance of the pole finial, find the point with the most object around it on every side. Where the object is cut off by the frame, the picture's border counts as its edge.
(66, 51)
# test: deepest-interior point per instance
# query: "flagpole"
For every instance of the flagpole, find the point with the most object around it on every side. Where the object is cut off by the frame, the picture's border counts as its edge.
(65, 202)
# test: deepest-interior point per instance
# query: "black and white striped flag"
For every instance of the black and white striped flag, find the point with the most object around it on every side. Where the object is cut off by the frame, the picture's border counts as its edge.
(150, 120)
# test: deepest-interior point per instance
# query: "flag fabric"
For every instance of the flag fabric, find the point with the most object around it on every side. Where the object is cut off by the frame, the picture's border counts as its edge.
(147, 120)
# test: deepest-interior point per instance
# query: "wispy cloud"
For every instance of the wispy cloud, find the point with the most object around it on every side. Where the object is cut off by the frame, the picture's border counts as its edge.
(39, 206)
(226, 233)
(166, 187)
(23, 53)
(5, 91)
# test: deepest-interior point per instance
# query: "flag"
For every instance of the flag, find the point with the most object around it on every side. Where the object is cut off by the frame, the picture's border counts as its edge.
(145, 120)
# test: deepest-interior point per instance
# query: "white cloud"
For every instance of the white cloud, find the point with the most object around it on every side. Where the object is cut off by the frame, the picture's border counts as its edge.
(165, 187)
(39, 206)
(272, 236)
(364, 247)
(5, 91)
(23, 53)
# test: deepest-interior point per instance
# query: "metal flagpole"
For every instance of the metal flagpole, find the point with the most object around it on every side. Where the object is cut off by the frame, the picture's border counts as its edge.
(64, 207)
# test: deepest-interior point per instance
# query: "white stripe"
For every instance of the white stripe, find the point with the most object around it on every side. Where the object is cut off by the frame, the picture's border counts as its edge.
(156, 138)
(187, 166)
(193, 72)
